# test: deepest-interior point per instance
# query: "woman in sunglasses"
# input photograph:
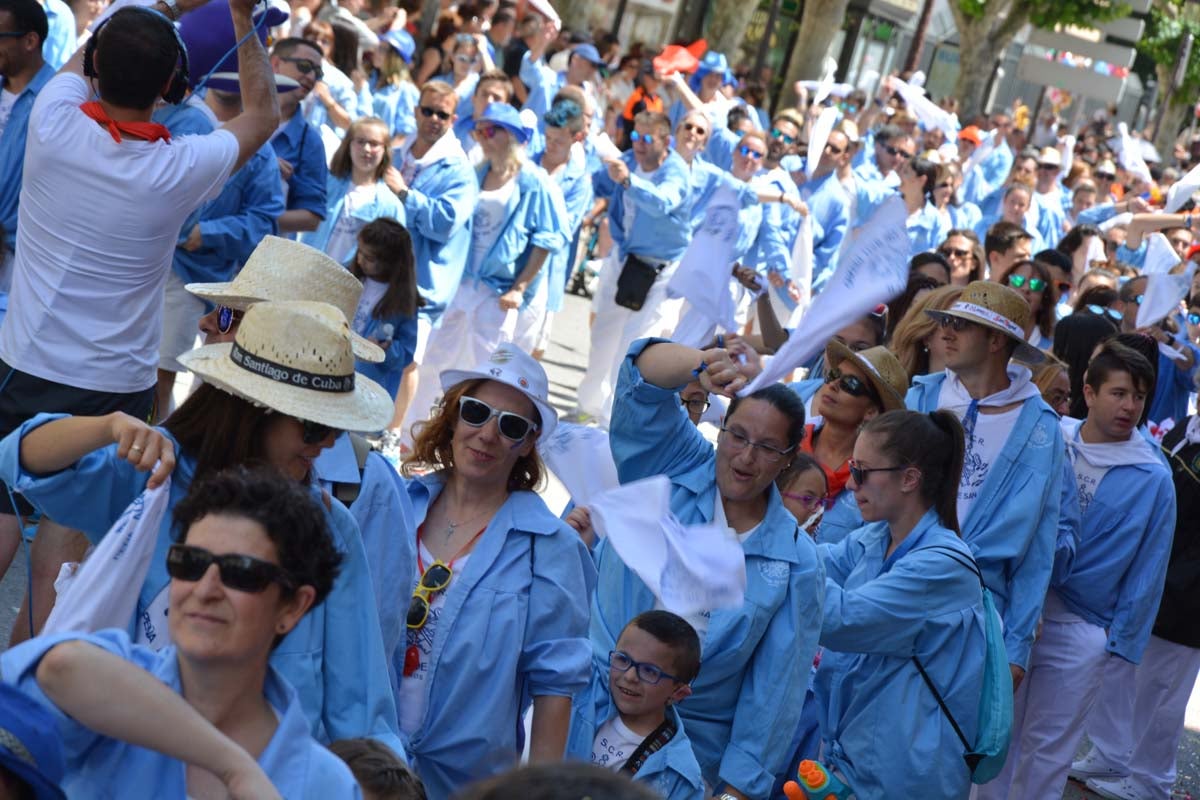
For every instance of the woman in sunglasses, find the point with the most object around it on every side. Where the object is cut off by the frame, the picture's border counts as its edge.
(253, 557)
(276, 395)
(903, 586)
(1031, 279)
(858, 387)
(498, 602)
(746, 704)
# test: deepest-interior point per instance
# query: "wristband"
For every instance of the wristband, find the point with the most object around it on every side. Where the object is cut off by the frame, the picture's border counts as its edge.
(702, 368)
(1187, 222)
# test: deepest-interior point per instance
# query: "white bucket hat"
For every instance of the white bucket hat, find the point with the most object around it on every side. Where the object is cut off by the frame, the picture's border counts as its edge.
(511, 365)
(295, 358)
(280, 269)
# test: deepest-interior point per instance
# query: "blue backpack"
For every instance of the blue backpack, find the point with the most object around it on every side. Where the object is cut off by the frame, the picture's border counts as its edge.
(986, 757)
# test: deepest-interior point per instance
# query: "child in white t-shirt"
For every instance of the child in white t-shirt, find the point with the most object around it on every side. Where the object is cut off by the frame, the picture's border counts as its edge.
(625, 720)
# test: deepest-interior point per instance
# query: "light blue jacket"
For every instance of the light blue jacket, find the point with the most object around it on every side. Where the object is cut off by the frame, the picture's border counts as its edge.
(439, 207)
(12, 152)
(101, 767)
(975, 186)
(543, 84)
(839, 521)
(1051, 216)
(965, 215)
(1120, 562)
(882, 726)
(1175, 385)
(514, 627)
(385, 203)
(926, 230)
(748, 698)
(1012, 527)
(830, 207)
(61, 38)
(397, 105)
(575, 183)
(341, 88)
(533, 219)
(670, 772)
(300, 145)
(396, 356)
(996, 167)
(334, 657)
(662, 204)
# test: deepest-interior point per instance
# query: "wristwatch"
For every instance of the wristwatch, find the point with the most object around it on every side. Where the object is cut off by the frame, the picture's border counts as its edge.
(173, 11)
(403, 195)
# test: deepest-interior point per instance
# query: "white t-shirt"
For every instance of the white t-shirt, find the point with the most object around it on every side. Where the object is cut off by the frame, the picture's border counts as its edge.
(488, 222)
(987, 440)
(344, 236)
(7, 101)
(614, 744)
(98, 225)
(373, 292)
(1087, 478)
(413, 695)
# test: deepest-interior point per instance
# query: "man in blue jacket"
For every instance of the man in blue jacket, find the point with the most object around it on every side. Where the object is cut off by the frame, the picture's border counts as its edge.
(297, 144)
(1105, 606)
(1010, 490)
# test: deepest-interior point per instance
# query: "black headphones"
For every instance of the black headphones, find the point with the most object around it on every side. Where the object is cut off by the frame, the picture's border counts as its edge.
(178, 86)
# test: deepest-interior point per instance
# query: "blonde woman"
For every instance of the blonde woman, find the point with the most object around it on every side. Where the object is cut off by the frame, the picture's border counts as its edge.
(355, 192)
(916, 341)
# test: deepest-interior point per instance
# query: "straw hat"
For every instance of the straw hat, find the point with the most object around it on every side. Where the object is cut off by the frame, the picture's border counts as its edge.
(883, 370)
(280, 269)
(997, 307)
(511, 365)
(295, 358)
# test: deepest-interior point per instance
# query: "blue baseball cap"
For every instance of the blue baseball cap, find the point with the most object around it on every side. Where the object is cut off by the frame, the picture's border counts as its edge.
(505, 116)
(29, 744)
(589, 53)
(402, 43)
(207, 32)
(713, 62)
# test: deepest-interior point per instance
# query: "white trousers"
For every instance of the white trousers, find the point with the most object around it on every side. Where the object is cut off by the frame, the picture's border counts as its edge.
(615, 329)
(471, 328)
(1146, 745)
(1065, 671)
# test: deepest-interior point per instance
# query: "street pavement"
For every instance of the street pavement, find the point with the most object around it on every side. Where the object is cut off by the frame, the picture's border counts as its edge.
(565, 361)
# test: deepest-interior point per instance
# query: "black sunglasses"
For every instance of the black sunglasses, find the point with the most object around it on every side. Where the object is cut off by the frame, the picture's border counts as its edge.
(957, 323)
(859, 474)
(314, 432)
(953, 252)
(433, 112)
(306, 66)
(476, 413)
(850, 384)
(243, 573)
(227, 317)
(894, 151)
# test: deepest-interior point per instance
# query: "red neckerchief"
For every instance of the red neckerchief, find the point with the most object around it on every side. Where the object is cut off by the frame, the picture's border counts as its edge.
(836, 478)
(150, 131)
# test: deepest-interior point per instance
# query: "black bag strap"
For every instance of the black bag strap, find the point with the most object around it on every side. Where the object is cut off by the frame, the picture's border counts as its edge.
(656, 741)
(966, 561)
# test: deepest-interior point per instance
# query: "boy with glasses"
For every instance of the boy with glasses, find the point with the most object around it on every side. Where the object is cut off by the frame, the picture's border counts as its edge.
(1010, 490)
(625, 721)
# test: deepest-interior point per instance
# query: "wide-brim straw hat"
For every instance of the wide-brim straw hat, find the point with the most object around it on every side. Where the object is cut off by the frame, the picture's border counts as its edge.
(998, 307)
(295, 357)
(280, 269)
(511, 365)
(882, 369)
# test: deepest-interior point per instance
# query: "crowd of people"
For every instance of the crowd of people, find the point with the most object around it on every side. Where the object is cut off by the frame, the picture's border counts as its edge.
(964, 529)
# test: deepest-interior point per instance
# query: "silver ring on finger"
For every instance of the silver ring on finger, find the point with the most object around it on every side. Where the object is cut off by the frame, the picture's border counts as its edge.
(138, 448)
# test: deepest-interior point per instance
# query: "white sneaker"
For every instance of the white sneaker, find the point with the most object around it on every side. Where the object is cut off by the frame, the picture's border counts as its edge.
(1093, 765)
(1116, 789)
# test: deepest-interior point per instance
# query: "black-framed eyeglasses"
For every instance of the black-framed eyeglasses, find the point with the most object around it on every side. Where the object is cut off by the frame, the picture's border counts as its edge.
(187, 562)
(314, 432)
(435, 578)
(740, 441)
(305, 66)
(859, 474)
(783, 137)
(850, 384)
(896, 151)
(957, 324)
(619, 661)
(435, 112)
(476, 413)
(695, 405)
(1105, 311)
(227, 317)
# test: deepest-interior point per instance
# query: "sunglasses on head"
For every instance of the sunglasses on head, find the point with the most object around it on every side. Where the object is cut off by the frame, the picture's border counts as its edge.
(699, 130)
(783, 137)
(305, 66)
(477, 413)
(435, 578)
(1018, 281)
(749, 152)
(1105, 311)
(641, 137)
(243, 573)
(227, 317)
(859, 474)
(433, 112)
(314, 432)
(895, 151)
(850, 384)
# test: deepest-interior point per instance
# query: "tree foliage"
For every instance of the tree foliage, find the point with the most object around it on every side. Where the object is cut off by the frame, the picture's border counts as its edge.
(1168, 23)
